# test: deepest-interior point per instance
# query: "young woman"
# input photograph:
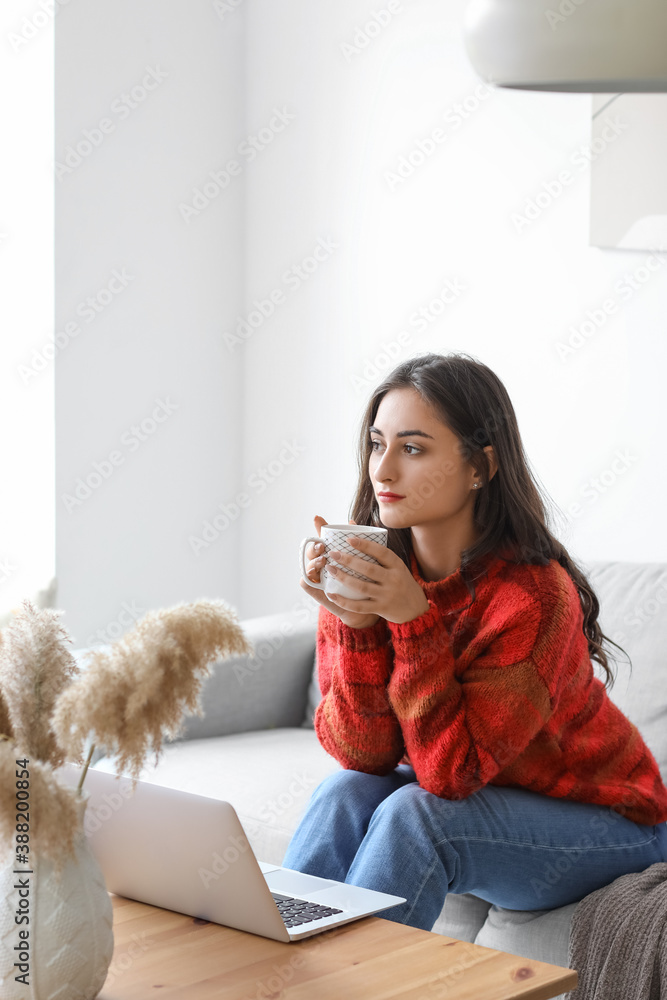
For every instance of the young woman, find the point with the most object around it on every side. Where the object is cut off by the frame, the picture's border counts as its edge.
(478, 751)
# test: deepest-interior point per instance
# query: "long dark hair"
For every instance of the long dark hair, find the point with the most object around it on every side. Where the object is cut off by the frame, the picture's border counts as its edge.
(509, 512)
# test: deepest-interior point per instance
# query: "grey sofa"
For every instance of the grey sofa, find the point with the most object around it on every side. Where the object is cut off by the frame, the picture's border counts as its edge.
(256, 748)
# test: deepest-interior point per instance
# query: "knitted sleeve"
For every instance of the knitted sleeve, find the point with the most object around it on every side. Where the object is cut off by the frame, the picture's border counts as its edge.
(354, 721)
(468, 715)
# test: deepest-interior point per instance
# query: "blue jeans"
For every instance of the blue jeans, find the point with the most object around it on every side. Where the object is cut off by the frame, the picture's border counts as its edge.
(518, 849)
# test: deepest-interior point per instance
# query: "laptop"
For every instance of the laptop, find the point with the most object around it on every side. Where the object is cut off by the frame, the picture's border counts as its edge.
(189, 853)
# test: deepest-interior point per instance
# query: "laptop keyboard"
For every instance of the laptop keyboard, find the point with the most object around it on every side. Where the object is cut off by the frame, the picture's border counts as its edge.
(300, 911)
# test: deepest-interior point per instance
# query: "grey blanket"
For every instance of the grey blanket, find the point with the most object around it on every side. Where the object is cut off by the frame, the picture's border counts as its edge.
(618, 939)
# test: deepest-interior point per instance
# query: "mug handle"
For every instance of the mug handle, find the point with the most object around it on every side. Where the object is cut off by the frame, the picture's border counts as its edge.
(302, 560)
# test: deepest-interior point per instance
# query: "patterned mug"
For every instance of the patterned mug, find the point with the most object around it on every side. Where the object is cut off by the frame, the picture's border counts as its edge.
(335, 536)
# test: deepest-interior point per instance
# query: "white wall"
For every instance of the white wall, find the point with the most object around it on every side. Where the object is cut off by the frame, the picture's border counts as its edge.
(127, 544)
(337, 124)
(27, 515)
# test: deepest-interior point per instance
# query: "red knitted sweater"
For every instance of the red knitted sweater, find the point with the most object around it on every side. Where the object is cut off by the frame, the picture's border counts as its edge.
(502, 693)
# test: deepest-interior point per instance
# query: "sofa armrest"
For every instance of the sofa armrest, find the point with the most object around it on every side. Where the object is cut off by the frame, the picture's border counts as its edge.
(265, 690)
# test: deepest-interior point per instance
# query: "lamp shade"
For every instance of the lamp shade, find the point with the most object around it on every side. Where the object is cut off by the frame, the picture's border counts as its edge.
(582, 46)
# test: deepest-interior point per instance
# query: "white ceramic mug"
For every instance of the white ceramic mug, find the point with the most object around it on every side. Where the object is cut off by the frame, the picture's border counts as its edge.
(335, 536)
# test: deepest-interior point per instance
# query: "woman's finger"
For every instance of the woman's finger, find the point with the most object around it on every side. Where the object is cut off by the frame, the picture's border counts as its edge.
(379, 552)
(313, 550)
(359, 565)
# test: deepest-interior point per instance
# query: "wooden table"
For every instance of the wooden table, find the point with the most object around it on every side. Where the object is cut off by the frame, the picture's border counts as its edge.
(171, 956)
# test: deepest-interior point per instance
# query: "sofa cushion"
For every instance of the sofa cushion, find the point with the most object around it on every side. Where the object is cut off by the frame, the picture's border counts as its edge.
(462, 917)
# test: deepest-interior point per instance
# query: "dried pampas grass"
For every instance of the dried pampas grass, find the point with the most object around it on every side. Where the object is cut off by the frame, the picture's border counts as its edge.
(35, 666)
(135, 694)
(53, 813)
(129, 698)
(5, 724)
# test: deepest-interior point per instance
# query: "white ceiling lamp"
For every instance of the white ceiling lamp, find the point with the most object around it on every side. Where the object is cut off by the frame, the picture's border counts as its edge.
(580, 46)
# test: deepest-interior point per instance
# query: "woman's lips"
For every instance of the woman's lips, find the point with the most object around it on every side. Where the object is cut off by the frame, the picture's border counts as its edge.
(389, 499)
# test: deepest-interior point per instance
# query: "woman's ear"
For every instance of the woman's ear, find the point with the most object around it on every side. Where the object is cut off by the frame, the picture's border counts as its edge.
(493, 462)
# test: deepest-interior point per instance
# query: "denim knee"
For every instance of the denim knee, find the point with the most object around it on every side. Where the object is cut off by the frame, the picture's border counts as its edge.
(358, 789)
(413, 805)
(339, 780)
(406, 801)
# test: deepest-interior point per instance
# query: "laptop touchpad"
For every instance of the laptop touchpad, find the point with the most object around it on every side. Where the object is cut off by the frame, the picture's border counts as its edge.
(292, 883)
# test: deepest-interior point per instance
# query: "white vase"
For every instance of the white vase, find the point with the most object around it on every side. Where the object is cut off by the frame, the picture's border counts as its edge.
(70, 943)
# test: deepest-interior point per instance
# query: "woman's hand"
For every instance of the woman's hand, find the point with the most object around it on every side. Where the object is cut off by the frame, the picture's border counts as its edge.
(314, 564)
(393, 593)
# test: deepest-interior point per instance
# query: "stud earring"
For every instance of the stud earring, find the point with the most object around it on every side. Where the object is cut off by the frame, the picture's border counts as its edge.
(475, 485)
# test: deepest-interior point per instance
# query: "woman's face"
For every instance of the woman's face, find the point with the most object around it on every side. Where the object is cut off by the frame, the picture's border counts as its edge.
(426, 466)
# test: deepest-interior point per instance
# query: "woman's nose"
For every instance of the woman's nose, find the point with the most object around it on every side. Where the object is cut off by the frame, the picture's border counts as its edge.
(384, 468)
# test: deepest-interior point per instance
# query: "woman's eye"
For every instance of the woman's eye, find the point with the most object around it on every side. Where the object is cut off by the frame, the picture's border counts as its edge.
(413, 449)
